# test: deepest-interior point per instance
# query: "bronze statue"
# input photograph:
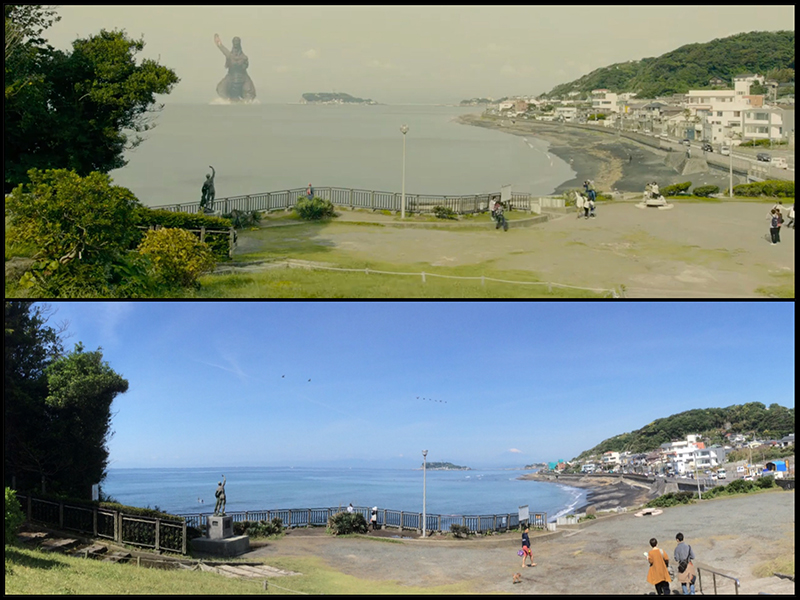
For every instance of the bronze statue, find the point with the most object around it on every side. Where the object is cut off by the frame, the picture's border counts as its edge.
(219, 507)
(208, 192)
(236, 85)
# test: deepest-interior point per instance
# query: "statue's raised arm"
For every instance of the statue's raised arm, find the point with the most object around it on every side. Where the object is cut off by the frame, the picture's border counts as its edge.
(221, 46)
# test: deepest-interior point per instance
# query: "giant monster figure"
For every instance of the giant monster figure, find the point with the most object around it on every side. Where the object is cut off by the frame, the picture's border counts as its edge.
(237, 85)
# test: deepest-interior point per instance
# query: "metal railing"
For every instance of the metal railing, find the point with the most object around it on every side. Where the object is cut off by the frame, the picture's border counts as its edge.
(368, 199)
(123, 528)
(318, 517)
(714, 580)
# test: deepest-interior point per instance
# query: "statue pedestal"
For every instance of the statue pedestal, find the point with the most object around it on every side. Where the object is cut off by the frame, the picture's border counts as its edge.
(220, 527)
(220, 540)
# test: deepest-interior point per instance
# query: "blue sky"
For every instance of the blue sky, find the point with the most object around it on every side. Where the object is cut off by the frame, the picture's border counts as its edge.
(475, 383)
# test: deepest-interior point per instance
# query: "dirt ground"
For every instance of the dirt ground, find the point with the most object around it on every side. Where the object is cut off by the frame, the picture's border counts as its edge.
(694, 250)
(730, 535)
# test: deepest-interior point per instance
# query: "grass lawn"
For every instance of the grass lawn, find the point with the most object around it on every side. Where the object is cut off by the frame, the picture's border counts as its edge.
(31, 571)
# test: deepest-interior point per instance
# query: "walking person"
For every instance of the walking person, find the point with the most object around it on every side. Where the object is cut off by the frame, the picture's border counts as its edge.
(310, 192)
(373, 518)
(591, 208)
(526, 549)
(350, 508)
(658, 574)
(684, 557)
(790, 216)
(775, 226)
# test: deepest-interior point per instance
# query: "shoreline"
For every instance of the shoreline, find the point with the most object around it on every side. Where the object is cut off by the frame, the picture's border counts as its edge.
(603, 493)
(614, 164)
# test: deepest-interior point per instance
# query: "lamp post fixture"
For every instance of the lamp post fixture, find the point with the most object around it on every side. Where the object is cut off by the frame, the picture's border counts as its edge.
(697, 476)
(424, 469)
(404, 131)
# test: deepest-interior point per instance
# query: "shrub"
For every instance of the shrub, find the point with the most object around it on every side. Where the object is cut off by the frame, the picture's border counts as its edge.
(14, 516)
(314, 209)
(343, 523)
(740, 486)
(771, 187)
(241, 219)
(671, 499)
(176, 256)
(259, 528)
(675, 189)
(765, 482)
(442, 212)
(704, 191)
(147, 217)
(459, 531)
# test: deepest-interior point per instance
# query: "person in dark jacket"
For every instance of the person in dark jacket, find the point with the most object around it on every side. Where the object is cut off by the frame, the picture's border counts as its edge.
(526, 549)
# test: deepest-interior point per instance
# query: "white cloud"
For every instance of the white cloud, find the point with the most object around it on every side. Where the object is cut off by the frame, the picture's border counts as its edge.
(515, 451)
(311, 53)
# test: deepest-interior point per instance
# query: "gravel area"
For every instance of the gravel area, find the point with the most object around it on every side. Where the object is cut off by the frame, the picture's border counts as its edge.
(730, 535)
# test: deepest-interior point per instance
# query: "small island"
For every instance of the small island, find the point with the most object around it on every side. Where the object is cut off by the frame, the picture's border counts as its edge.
(445, 466)
(333, 98)
(476, 102)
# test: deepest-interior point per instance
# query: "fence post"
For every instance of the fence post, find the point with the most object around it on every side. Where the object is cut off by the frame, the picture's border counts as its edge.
(158, 532)
(372, 199)
(202, 233)
(183, 537)
(231, 243)
(94, 522)
(351, 198)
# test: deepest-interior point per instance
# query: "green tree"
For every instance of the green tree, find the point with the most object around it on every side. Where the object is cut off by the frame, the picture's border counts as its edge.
(82, 228)
(78, 110)
(30, 346)
(81, 388)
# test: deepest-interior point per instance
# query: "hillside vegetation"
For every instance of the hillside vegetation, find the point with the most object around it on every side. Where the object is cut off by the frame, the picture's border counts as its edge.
(712, 423)
(769, 53)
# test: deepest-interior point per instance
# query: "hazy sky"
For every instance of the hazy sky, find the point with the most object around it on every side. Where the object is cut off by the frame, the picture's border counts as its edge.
(409, 54)
(475, 383)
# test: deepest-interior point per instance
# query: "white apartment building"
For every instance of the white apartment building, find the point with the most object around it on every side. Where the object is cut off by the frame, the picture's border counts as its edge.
(680, 456)
(765, 122)
(604, 101)
(610, 459)
(567, 113)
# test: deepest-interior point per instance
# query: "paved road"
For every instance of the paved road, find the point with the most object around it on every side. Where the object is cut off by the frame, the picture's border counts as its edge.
(732, 535)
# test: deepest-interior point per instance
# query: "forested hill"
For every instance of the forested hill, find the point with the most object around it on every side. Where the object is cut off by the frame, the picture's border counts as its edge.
(712, 423)
(692, 66)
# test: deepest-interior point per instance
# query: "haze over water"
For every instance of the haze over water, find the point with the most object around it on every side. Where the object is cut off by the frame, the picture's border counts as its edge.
(270, 147)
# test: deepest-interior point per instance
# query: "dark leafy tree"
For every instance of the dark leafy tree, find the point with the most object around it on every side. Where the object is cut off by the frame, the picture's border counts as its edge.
(78, 110)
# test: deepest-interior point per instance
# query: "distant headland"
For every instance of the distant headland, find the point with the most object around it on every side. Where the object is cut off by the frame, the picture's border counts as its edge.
(445, 466)
(333, 98)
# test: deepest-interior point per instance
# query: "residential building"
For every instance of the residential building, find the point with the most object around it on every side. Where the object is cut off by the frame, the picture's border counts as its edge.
(604, 101)
(787, 440)
(763, 123)
(610, 459)
(566, 113)
(520, 106)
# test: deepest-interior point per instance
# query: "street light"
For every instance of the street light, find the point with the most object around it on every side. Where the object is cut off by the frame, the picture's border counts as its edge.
(404, 131)
(697, 476)
(424, 469)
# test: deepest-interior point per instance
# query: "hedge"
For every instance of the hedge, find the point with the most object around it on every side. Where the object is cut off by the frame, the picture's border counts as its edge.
(704, 191)
(771, 187)
(675, 189)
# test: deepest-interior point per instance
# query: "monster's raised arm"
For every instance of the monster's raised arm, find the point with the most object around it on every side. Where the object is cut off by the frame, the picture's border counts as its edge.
(222, 48)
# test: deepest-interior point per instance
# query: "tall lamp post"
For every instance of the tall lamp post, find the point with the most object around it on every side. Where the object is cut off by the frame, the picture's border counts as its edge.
(404, 131)
(697, 477)
(424, 469)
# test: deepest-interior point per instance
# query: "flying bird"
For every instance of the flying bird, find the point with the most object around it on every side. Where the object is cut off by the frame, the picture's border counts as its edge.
(309, 380)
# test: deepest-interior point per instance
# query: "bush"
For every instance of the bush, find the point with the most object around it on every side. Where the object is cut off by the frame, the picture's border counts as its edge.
(147, 217)
(14, 516)
(459, 531)
(765, 482)
(771, 187)
(671, 499)
(704, 191)
(314, 209)
(675, 189)
(740, 486)
(244, 219)
(259, 528)
(176, 256)
(442, 212)
(762, 142)
(343, 523)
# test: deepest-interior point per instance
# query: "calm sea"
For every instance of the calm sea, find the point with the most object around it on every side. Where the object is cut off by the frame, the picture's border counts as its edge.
(261, 488)
(270, 147)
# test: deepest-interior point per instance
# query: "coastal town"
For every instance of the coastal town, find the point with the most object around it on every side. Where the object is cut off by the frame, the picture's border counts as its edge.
(750, 109)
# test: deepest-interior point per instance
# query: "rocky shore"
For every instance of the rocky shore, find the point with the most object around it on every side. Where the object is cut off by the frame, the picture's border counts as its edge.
(613, 163)
(605, 493)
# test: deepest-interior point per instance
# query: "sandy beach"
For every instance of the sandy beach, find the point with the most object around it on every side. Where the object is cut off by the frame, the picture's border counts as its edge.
(605, 493)
(613, 163)
(737, 536)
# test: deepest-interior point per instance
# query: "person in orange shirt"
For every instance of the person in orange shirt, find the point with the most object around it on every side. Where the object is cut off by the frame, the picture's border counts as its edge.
(658, 574)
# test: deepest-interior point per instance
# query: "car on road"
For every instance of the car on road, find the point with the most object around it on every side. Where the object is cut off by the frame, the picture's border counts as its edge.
(780, 163)
(763, 157)
(725, 150)
(707, 147)
(686, 142)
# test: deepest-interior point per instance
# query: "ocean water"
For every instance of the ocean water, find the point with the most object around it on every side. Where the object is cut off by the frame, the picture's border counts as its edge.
(179, 491)
(270, 147)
